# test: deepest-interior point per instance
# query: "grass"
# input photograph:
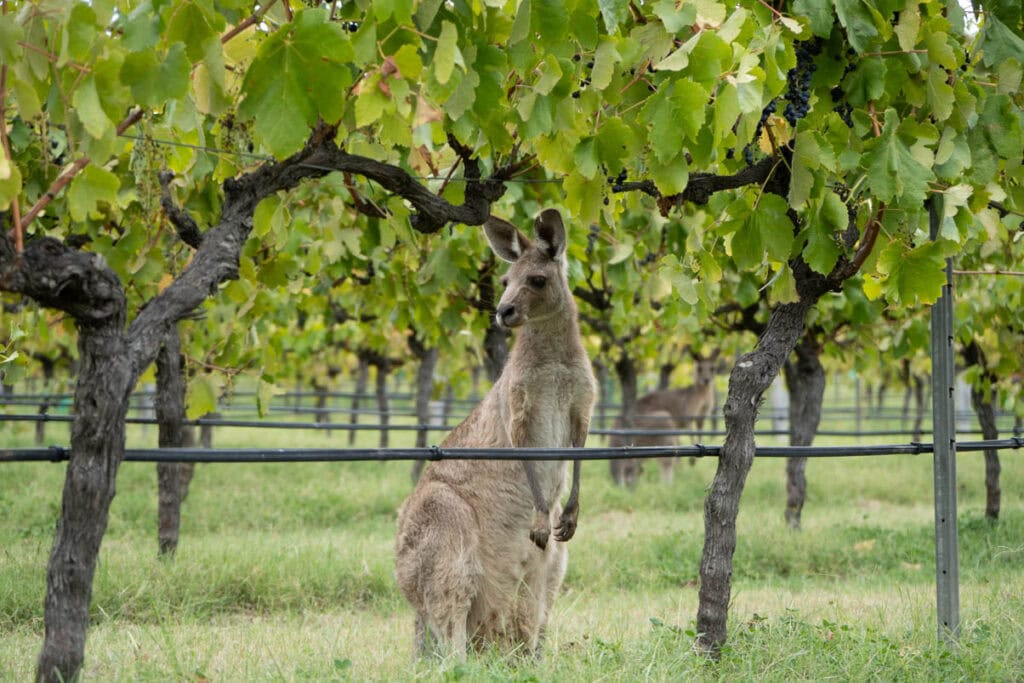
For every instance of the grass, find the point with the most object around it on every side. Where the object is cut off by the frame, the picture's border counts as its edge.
(285, 573)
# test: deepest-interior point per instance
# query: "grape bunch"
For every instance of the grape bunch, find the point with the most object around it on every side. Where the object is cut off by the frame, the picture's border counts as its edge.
(592, 236)
(650, 257)
(799, 80)
(617, 181)
(748, 151)
(585, 81)
(842, 107)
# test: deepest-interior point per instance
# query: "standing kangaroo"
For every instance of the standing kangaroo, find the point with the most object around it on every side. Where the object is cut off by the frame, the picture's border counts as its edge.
(472, 554)
(667, 409)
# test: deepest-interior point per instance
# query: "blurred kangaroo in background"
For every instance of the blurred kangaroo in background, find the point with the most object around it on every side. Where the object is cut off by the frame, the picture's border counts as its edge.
(684, 408)
(472, 553)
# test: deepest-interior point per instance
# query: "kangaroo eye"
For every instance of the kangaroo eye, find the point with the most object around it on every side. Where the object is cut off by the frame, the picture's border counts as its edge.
(537, 281)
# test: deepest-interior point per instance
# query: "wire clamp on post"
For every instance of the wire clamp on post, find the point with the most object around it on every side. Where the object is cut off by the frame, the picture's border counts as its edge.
(918, 447)
(701, 450)
(59, 454)
(435, 453)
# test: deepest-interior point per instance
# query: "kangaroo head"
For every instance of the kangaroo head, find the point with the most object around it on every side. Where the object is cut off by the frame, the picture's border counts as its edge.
(705, 368)
(536, 287)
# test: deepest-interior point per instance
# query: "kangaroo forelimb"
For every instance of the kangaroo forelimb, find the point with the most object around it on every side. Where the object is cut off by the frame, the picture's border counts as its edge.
(566, 528)
(541, 528)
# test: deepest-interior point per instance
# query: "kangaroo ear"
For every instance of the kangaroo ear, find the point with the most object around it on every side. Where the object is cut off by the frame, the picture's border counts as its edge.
(505, 239)
(550, 233)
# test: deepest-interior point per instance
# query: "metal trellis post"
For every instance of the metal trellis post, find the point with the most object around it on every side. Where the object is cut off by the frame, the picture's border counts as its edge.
(947, 563)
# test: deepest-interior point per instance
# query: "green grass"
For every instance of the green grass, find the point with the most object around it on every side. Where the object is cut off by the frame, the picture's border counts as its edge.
(285, 573)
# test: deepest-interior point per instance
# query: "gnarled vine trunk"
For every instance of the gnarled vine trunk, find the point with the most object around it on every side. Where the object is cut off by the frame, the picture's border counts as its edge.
(424, 392)
(805, 380)
(173, 478)
(362, 379)
(983, 403)
(750, 378)
(97, 449)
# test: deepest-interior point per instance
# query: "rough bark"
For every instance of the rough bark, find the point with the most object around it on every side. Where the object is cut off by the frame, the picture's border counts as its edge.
(427, 357)
(750, 378)
(984, 407)
(362, 379)
(83, 286)
(383, 408)
(983, 403)
(624, 470)
(173, 478)
(805, 380)
(321, 415)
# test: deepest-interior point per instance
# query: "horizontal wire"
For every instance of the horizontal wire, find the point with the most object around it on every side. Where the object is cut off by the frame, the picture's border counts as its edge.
(255, 455)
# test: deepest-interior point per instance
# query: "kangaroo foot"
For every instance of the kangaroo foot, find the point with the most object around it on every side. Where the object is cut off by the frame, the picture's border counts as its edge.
(566, 528)
(541, 530)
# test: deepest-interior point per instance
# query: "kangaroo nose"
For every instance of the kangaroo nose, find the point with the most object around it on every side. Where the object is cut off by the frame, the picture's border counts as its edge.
(505, 313)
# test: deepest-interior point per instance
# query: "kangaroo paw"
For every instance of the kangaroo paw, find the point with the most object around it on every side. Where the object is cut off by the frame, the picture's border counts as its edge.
(541, 530)
(566, 528)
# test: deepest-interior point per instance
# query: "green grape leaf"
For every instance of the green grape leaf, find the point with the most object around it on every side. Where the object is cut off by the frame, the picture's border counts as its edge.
(614, 13)
(10, 34)
(444, 55)
(155, 79)
(776, 230)
(914, 275)
(191, 25)
(893, 172)
(822, 250)
(999, 43)
(673, 17)
(86, 101)
(142, 27)
(299, 74)
(806, 159)
(605, 59)
(670, 178)
(10, 182)
(819, 12)
(90, 187)
(858, 20)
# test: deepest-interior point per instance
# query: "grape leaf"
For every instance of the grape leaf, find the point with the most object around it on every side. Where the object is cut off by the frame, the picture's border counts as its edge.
(893, 172)
(155, 79)
(89, 110)
(999, 43)
(91, 186)
(913, 275)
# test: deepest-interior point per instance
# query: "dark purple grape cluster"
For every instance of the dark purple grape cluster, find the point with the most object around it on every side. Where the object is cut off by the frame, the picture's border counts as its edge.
(650, 257)
(799, 80)
(585, 81)
(748, 151)
(842, 107)
(617, 181)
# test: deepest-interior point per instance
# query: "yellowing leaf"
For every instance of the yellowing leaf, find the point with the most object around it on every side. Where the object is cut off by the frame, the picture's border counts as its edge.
(444, 55)
(202, 397)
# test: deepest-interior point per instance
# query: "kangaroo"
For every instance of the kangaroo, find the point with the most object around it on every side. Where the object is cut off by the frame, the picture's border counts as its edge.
(472, 552)
(665, 409)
